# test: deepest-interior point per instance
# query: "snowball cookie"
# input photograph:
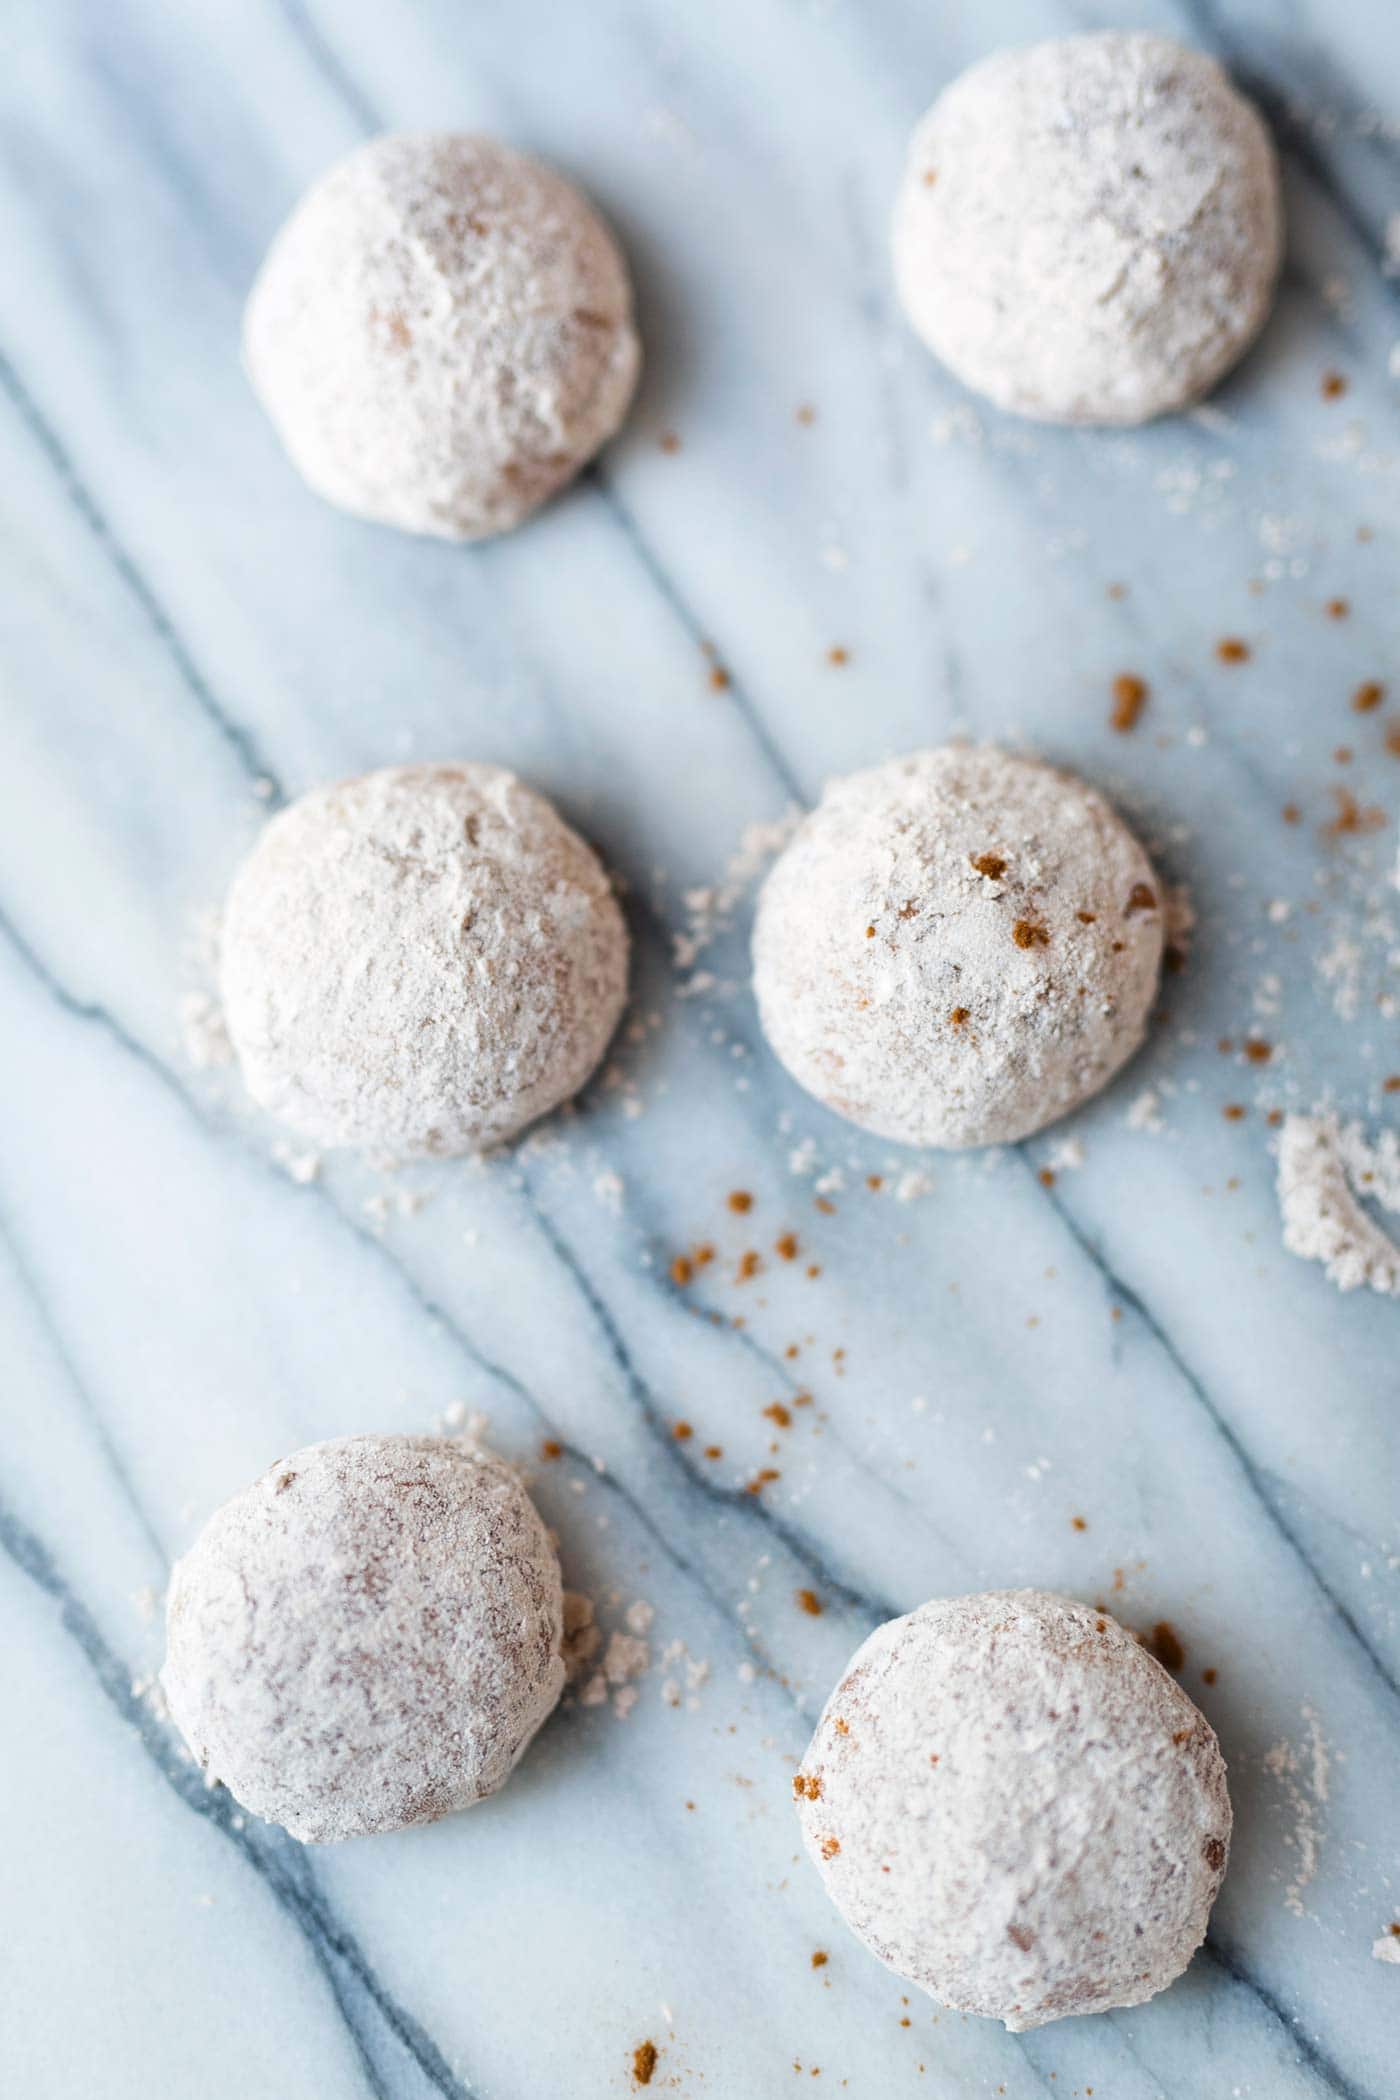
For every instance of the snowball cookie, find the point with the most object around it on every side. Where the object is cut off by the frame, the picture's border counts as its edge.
(366, 1637)
(1089, 231)
(1016, 1808)
(424, 960)
(442, 334)
(957, 947)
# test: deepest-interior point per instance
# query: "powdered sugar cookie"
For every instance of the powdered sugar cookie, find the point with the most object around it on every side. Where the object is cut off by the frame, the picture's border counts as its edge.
(422, 960)
(1016, 1808)
(1090, 230)
(958, 947)
(442, 334)
(367, 1637)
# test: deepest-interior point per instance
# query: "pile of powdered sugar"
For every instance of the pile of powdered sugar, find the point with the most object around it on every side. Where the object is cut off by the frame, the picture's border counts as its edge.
(1327, 1170)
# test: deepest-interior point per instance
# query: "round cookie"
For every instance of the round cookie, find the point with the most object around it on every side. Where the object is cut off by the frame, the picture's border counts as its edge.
(442, 334)
(957, 947)
(1016, 1808)
(366, 1637)
(422, 960)
(1090, 230)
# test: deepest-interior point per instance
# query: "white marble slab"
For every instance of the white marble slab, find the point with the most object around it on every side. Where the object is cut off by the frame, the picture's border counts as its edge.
(187, 634)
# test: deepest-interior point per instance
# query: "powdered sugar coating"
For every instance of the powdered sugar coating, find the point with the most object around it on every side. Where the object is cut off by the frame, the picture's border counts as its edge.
(442, 334)
(1090, 230)
(1016, 1808)
(366, 1637)
(422, 960)
(958, 947)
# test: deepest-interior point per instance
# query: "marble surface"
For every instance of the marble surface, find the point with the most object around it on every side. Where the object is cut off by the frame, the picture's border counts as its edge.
(188, 637)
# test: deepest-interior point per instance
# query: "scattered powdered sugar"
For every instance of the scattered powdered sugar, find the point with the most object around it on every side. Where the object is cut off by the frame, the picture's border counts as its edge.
(709, 909)
(1325, 1170)
(204, 1031)
(1387, 1947)
(1145, 1113)
(1303, 1773)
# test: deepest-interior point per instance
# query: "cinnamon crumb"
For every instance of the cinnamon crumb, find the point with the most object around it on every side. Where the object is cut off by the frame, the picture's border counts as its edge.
(1209, 1676)
(740, 1201)
(1027, 934)
(761, 1479)
(930, 177)
(749, 1266)
(720, 680)
(810, 1602)
(1232, 650)
(776, 1413)
(551, 1448)
(1258, 1051)
(959, 1015)
(1337, 608)
(1165, 1643)
(1046, 1177)
(668, 441)
(786, 1247)
(1367, 696)
(842, 1727)
(1351, 818)
(1141, 897)
(644, 2060)
(825, 1205)
(806, 1789)
(1129, 700)
(682, 1269)
(1343, 755)
(714, 1451)
(805, 414)
(1291, 813)
(1087, 918)
(820, 1958)
(1392, 1084)
(836, 656)
(875, 1182)
(682, 1432)
(991, 865)
(1334, 385)
(1392, 740)
(1079, 1523)
(830, 1847)
(870, 933)
(1233, 1112)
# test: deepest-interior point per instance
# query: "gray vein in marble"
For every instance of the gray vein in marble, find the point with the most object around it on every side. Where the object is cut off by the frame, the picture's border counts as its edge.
(239, 740)
(1254, 1479)
(111, 1456)
(750, 1508)
(1314, 2059)
(1294, 141)
(669, 593)
(331, 67)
